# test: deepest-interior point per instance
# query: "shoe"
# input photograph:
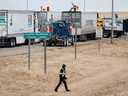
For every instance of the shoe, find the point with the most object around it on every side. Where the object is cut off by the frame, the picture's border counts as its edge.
(55, 90)
(68, 90)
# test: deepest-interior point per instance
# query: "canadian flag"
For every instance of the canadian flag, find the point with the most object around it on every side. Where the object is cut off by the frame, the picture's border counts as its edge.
(49, 29)
(48, 9)
(70, 29)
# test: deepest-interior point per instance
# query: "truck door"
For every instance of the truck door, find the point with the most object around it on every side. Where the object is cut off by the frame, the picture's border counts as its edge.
(3, 23)
(65, 29)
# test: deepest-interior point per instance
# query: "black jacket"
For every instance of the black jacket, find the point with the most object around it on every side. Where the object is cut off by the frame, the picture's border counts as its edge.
(62, 72)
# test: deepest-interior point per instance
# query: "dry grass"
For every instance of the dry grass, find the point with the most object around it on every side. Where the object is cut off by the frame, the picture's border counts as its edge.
(94, 73)
(121, 14)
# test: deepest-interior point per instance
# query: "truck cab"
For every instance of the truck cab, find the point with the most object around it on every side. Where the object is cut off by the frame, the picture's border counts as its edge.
(62, 34)
(61, 28)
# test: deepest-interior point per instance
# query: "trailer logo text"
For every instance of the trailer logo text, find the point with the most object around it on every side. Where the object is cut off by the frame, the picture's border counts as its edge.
(89, 22)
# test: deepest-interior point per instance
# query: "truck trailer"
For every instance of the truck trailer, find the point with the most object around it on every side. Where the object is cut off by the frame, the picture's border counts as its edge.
(84, 22)
(13, 24)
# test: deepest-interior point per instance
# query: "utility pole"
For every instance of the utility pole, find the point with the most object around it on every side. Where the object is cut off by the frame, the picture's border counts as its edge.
(27, 5)
(84, 5)
(75, 33)
(112, 23)
(45, 56)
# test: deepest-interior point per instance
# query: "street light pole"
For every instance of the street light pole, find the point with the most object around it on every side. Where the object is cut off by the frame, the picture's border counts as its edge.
(112, 23)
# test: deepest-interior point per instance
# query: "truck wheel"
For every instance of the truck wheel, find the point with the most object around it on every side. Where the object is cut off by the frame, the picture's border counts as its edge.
(26, 42)
(115, 35)
(67, 41)
(72, 43)
(14, 42)
(50, 44)
(39, 42)
(55, 44)
(105, 35)
(64, 42)
(32, 41)
(94, 36)
(10, 42)
(91, 36)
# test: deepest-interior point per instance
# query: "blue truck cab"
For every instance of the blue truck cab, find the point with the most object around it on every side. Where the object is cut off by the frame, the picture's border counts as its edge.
(61, 34)
(61, 28)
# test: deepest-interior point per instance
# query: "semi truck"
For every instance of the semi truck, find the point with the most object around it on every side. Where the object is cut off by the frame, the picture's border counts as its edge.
(84, 22)
(119, 27)
(61, 34)
(52, 22)
(13, 24)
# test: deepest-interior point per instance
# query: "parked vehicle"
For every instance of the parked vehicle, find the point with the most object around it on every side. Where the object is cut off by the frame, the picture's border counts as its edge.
(62, 34)
(119, 27)
(13, 24)
(84, 22)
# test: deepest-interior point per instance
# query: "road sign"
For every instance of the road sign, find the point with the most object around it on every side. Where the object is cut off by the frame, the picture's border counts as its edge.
(99, 32)
(37, 35)
(99, 22)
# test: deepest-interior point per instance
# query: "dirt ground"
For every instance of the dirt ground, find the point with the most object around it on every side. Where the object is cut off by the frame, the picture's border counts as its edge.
(93, 73)
(121, 14)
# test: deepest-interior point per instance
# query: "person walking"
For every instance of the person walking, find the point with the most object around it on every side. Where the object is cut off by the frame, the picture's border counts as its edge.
(62, 78)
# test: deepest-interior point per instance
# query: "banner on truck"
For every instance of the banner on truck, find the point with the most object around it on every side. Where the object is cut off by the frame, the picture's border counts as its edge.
(29, 19)
(89, 22)
(2, 17)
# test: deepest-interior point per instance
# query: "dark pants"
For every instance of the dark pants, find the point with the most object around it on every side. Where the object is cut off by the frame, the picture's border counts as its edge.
(65, 84)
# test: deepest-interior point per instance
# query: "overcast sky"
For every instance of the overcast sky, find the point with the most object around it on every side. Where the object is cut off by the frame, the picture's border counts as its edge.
(65, 5)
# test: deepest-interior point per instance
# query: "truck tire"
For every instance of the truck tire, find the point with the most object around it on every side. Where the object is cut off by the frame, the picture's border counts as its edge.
(105, 34)
(91, 36)
(115, 35)
(50, 42)
(26, 42)
(67, 41)
(94, 36)
(39, 42)
(32, 41)
(10, 42)
(72, 43)
(64, 42)
(14, 42)
(55, 44)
